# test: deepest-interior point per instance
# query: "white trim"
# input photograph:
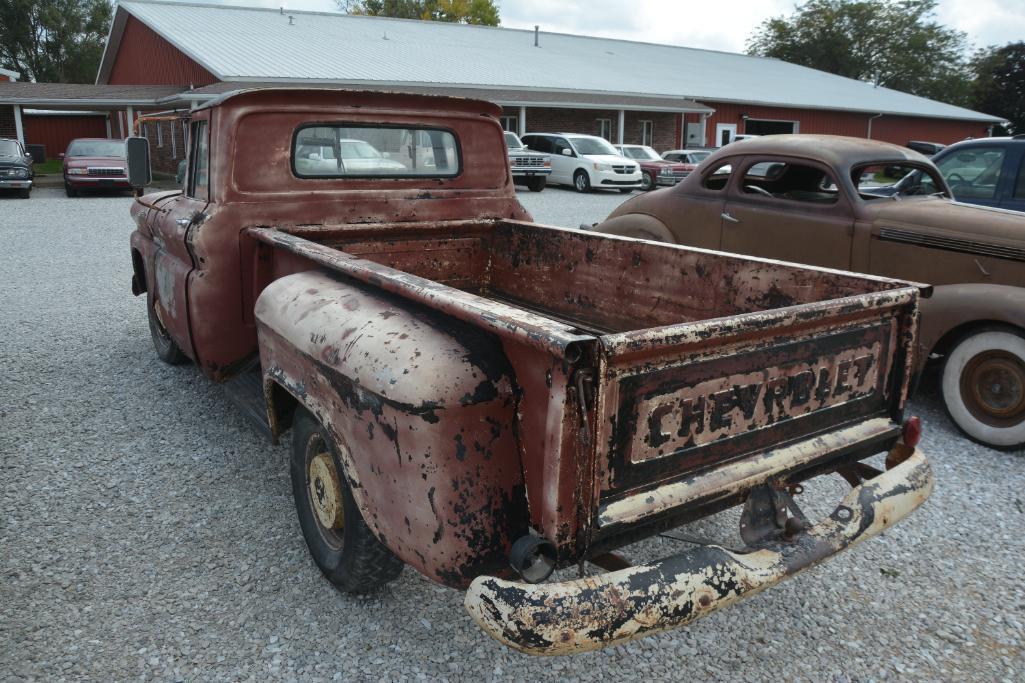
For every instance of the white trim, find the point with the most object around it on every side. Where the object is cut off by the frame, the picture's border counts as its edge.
(19, 130)
(620, 125)
(523, 121)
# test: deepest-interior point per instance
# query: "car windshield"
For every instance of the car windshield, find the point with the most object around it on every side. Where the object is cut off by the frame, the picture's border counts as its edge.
(9, 148)
(640, 153)
(511, 141)
(973, 173)
(593, 146)
(97, 148)
(896, 180)
(698, 157)
(357, 149)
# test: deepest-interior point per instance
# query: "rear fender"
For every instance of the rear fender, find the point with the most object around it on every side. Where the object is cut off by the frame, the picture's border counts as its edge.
(637, 225)
(422, 408)
(955, 306)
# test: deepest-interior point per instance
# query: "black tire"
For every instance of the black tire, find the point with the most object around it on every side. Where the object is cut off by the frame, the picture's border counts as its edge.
(626, 190)
(536, 184)
(983, 387)
(581, 181)
(167, 349)
(348, 554)
(647, 182)
(70, 191)
(25, 194)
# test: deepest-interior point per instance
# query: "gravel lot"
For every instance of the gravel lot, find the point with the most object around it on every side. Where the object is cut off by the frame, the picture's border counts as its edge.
(148, 533)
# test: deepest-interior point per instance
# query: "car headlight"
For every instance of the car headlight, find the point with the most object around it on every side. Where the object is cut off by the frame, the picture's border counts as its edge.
(666, 171)
(602, 167)
(78, 171)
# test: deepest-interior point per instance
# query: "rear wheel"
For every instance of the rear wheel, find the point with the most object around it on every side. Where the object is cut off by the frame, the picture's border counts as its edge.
(984, 387)
(342, 545)
(537, 184)
(581, 181)
(167, 349)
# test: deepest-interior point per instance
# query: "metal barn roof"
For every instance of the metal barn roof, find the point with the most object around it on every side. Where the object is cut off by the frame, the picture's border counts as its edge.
(256, 44)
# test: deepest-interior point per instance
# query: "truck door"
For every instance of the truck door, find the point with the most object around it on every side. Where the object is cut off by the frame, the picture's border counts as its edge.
(172, 261)
(788, 209)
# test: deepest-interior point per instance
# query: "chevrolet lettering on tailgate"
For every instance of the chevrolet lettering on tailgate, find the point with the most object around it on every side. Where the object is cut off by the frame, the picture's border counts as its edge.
(686, 408)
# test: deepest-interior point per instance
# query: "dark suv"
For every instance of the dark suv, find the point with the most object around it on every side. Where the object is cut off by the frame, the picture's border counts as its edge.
(15, 168)
(987, 171)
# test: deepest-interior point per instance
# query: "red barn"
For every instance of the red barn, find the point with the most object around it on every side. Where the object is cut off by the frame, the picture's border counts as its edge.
(663, 95)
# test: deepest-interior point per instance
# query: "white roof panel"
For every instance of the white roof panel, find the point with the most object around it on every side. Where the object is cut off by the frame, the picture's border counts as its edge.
(239, 44)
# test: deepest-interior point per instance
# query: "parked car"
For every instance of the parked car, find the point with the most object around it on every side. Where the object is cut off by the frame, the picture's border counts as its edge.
(528, 168)
(833, 201)
(656, 170)
(986, 171)
(923, 147)
(16, 172)
(486, 399)
(692, 157)
(93, 164)
(586, 162)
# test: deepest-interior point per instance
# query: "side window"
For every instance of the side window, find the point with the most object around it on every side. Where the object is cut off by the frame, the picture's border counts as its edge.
(672, 157)
(973, 173)
(789, 181)
(538, 143)
(717, 179)
(1019, 187)
(199, 161)
(559, 144)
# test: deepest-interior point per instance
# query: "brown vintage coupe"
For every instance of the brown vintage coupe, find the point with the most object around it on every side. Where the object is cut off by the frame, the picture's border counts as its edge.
(877, 208)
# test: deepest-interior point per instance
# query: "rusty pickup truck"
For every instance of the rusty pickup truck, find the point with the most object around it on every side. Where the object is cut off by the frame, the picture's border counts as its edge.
(488, 400)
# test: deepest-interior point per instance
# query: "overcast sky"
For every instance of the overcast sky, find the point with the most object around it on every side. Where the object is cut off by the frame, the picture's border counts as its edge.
(723, 25)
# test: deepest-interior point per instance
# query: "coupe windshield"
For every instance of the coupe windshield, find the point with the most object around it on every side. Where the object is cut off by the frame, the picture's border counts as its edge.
(593, 146)
(9, 148)
(641, 153)
(97, 148)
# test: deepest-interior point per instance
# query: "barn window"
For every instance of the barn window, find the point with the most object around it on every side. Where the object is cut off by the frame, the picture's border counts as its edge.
(510, 123)
(647, 131)
(605, 129)
(160, 134)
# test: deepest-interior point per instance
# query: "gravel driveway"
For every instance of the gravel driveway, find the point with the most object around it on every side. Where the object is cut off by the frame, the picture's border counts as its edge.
(148, 533)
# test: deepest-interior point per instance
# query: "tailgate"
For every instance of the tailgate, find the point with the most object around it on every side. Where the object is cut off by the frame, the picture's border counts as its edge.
(678, 401)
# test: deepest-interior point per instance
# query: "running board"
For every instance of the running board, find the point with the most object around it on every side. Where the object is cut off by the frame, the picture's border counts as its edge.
(245, 390)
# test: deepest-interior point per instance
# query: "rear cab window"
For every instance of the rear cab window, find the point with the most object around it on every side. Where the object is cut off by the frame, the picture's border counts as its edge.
(369, 151)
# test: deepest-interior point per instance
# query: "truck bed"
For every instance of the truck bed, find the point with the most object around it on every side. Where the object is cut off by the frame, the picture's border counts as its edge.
(707, 372)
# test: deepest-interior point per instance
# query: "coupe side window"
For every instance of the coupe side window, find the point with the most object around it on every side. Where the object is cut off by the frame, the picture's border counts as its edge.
(789, 181)
(717, 179)
(973, 173)
(199, 175)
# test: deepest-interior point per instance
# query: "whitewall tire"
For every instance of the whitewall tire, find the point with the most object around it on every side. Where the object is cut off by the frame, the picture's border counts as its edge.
(984, 387)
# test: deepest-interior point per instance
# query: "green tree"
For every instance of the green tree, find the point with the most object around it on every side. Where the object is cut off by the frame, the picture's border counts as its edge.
(998, 86)
(483, 12)
(896, 44)
(54, 41)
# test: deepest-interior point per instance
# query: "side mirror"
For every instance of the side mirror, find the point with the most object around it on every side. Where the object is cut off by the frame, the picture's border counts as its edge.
(179, 177)
(137, 152)
(567, 152)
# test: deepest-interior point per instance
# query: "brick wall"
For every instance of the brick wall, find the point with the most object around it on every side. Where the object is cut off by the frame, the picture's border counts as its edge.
(550, 120)
(166, 148)
(7, 129)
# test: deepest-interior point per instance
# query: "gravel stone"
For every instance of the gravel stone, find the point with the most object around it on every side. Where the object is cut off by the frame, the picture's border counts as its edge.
(147, 533)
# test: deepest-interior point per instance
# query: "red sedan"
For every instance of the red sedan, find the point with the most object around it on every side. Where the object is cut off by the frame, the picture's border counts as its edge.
(93, 164)
(654, 169)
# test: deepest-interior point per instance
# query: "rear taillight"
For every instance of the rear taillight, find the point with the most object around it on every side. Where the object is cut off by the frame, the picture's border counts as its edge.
(912, 431)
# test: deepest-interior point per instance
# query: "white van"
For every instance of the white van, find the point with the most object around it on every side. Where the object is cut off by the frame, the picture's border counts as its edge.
(586, 162)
